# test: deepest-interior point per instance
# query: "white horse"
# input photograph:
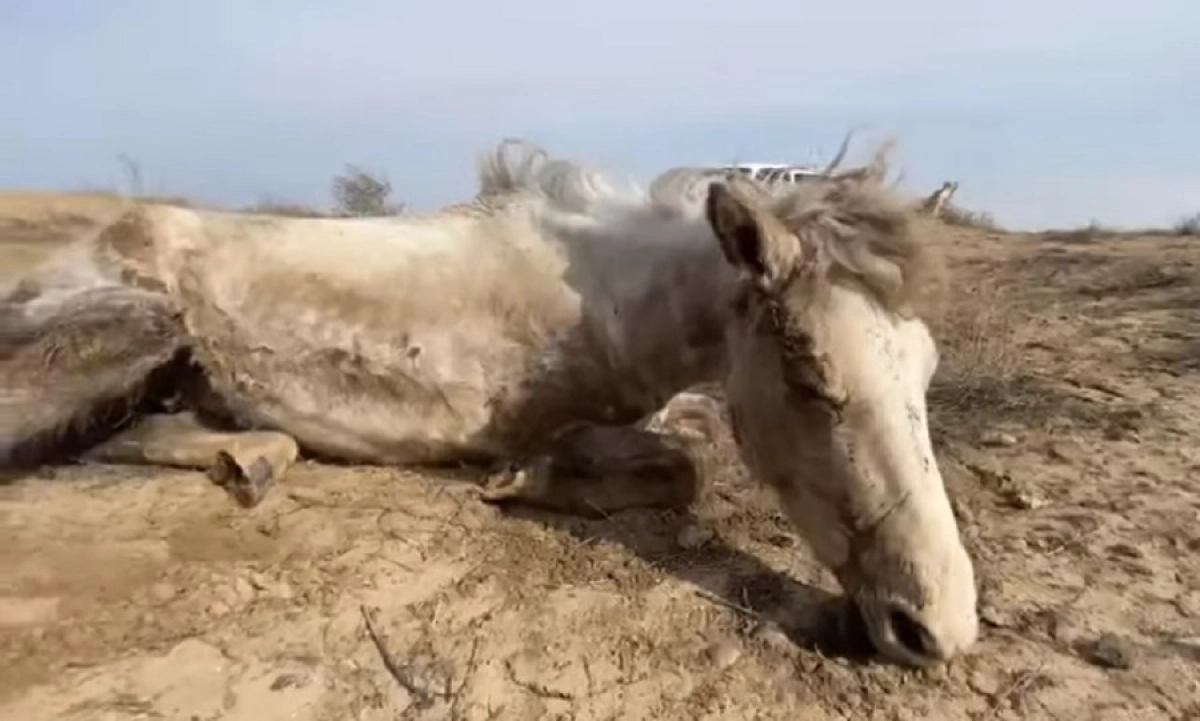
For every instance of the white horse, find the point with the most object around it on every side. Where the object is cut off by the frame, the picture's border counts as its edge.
(537, 325)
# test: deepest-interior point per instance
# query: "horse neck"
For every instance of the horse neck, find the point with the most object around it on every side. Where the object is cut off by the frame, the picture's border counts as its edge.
(669, 311)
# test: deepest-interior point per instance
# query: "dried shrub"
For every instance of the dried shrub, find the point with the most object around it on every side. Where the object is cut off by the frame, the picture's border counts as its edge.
(358, 192)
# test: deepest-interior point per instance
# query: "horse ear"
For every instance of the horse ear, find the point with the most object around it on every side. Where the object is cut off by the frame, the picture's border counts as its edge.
(751, 239)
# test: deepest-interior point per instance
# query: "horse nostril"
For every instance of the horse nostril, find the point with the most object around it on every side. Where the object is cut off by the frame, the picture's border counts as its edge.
(913, 636)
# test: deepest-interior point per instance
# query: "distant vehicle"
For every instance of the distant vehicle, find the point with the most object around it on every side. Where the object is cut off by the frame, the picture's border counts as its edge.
(771, 172)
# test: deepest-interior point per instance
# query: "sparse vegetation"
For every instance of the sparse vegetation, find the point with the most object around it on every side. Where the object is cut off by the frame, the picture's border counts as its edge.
(1088, 233)
(980, 374)
(1189, 225)
(960, 217)
(285, 209)
(358, 192)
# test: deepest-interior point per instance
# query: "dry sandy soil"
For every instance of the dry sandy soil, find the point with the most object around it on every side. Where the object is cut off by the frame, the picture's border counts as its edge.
(1067, 418)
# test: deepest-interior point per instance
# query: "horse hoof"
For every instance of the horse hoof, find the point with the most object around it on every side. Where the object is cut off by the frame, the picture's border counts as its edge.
(514, 483)
(248, 485)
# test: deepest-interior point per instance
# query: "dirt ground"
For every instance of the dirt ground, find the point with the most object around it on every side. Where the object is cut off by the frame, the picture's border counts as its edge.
(1067, 417)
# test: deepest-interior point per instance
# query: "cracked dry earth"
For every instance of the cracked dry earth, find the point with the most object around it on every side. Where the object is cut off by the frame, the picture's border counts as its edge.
(1070, 447)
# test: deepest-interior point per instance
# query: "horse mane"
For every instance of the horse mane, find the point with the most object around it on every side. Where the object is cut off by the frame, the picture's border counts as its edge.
(854, 223)
(849, 223)
(517, 167)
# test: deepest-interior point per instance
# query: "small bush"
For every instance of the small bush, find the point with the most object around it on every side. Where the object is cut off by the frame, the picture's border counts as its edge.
(1090, 232)
(962, 218)
(1189, 225)
(358, 192)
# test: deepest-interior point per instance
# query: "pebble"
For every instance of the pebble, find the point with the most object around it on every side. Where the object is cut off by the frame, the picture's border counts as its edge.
(1067, 452)
(962, 512)
(986, 681)
(774, 639)
(1024, 499)
(723, 654)
(1109, 651)
(290, 680)
(244, 590)
(997, 438)
(996, 617)
(1125, 550)
(780, 540)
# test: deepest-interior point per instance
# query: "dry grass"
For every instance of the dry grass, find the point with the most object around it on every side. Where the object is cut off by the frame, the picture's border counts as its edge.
(1087, 234)
(1189, 225)
(962, 218)
(284, 209)
(981, 360)
(986, 378)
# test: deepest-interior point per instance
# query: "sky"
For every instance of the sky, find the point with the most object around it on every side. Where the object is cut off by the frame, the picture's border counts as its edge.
(1049, 113)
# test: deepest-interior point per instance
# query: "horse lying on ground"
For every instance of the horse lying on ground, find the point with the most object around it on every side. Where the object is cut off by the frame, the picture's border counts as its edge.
(538, 326)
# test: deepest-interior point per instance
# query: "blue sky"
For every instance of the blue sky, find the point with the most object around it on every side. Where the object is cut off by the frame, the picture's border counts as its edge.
(1054, 112)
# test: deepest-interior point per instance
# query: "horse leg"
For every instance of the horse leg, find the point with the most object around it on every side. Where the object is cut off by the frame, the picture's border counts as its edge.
(244, 463)
(694, 416)
(77, 366)
(591, 469)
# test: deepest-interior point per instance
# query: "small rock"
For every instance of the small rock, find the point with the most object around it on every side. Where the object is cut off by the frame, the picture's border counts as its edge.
(723, 654)
(217, 608)
(306, 496)
(163, 592)
(997, 438)
(962, 512)
(773, 639)
(781, 540)
(693, 536)
(243, 589)
(986, 681)
(1118, 433)
(290, 680)
(1067, 452)
(1125, 550)
(996, 617)
(284, 590)
(1023, 499)
(1108, 651)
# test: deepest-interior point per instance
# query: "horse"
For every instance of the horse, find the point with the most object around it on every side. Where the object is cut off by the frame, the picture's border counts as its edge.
(552, 325)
